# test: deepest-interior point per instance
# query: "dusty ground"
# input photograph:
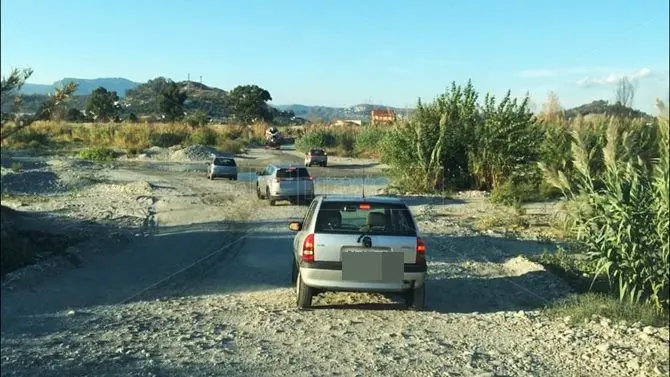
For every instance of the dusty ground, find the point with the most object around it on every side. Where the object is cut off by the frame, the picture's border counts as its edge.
(182, 276)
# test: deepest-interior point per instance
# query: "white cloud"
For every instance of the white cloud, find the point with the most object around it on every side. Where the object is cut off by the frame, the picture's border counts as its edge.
(613, 78)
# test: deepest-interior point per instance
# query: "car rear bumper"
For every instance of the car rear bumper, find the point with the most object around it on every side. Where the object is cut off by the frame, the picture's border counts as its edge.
(328, 275)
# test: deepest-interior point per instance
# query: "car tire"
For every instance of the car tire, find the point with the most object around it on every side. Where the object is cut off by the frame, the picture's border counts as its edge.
(304, 294)
(294, 272)
(325, 164)
(258, 192)
(416, 298)
(211, 177)
(234, 178)
(267, 196)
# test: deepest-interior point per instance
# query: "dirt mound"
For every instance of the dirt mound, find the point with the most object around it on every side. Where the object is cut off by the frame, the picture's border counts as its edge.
(32, 182)
(193, 153)
(519, 265)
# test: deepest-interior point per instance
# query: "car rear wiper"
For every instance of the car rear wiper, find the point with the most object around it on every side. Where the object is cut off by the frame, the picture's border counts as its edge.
(366, 231)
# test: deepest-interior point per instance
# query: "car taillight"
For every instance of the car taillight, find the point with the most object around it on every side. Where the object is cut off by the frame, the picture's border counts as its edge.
(420, 251)
(308, 248)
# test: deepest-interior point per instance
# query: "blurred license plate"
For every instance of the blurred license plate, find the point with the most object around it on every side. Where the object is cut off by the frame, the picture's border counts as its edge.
(360, 264)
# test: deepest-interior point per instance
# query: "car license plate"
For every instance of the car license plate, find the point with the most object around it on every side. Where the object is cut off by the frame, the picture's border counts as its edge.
(372, 266)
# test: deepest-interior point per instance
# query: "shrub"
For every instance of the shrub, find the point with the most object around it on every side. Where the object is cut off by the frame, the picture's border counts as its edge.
(97, 154)
(204, 136)
(620, 217)
(167, 139)
(367, 141)
(29, 136)
(316, 138)
(197, 118)
(515, 193)
(231, 146)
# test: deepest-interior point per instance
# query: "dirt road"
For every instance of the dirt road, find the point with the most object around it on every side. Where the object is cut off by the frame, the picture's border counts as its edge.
(201, 287)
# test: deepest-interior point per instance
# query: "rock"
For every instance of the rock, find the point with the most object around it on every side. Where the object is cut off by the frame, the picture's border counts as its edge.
(649, 330)
(633, 364)
(604, 347)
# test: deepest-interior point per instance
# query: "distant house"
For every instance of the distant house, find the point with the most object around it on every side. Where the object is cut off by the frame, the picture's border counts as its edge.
(382, 116)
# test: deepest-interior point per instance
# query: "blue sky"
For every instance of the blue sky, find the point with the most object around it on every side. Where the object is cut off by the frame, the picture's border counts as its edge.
(344, 52)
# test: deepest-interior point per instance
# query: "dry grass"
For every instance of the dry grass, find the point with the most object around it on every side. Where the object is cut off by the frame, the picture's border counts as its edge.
(134, 137)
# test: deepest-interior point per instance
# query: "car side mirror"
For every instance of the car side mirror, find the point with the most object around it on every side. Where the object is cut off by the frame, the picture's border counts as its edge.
(295, 226)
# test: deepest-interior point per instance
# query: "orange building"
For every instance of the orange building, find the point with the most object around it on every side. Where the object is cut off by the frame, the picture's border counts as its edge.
(382, 116)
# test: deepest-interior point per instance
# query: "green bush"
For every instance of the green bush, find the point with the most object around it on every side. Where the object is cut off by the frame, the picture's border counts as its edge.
(344, 143)
(204, 136)
(197, 118)
(621, 216)
(514, 193)
(319, 138)
(367, 141)
(97, 154)
(167, 139)
(231, 146)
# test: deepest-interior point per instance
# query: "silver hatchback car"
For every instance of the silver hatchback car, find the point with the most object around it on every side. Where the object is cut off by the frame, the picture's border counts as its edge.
(368, 244)
(222, 166)
(290, 182)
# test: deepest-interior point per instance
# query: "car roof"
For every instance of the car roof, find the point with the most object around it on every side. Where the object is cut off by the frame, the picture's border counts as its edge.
(223, 155)
(360, 198)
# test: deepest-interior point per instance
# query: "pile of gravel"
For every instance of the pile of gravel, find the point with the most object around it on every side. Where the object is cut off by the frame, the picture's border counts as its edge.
(193, 153)
(31, 182)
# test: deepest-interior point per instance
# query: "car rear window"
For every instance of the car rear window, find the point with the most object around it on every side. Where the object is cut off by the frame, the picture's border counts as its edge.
(371, 218)
(224, 162)
(316, 152)
(292, 173)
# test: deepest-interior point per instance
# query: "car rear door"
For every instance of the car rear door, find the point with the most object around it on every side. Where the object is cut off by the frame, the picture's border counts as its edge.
(294, 181)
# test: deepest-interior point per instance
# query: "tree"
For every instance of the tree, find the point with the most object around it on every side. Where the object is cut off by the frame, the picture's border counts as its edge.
(13, 121)
(102, 104)
(74, 115)
(248, 103)
(507, 142)
(625, 93)
(171, 101)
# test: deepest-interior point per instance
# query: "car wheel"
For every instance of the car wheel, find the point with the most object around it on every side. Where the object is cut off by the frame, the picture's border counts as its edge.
(210, 176)
(294, 271)
(416, 298)
(267, 196)
(234, 178)
(304, 293)
(325, 164)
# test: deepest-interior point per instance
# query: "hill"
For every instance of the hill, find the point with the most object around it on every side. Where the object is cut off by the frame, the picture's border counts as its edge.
(85, 86)
(602, 107)
(200, 97)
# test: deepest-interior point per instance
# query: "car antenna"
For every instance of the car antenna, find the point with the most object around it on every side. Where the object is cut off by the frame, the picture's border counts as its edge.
(364, 187)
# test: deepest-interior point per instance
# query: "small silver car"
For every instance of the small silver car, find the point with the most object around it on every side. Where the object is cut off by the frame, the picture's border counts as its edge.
(316, 156)
(369, 244)
(222, 166)
(290, 182)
